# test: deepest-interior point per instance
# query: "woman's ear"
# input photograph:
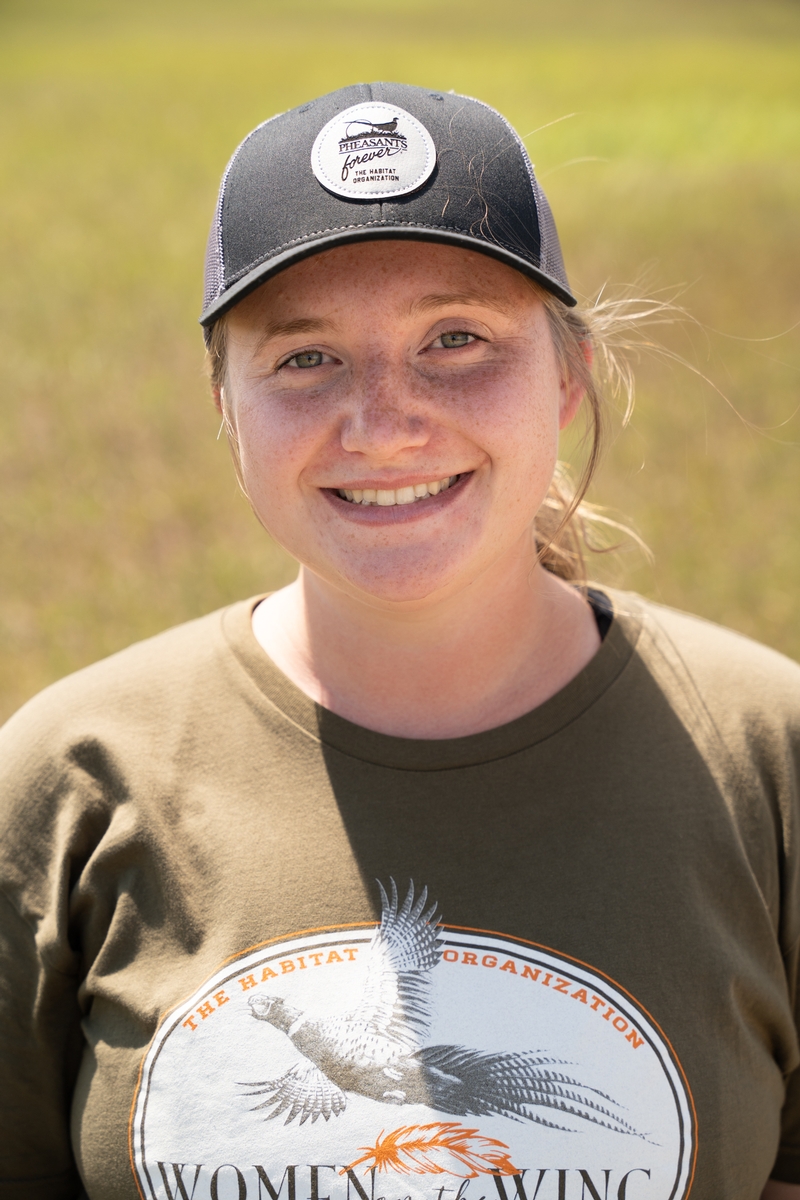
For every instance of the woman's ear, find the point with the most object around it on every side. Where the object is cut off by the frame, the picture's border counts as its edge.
(573, 388)
(219, 398)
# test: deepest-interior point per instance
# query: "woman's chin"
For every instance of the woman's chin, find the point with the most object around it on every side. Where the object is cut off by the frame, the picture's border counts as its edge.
(404, 583)
(405, 572)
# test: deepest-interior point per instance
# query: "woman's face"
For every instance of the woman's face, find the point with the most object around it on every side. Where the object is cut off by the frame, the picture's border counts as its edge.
(420, 376)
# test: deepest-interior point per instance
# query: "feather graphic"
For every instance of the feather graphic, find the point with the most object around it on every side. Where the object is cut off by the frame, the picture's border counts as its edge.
(436, 1149)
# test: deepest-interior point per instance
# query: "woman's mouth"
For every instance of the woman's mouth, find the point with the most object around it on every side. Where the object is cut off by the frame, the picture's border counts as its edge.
(386, 497)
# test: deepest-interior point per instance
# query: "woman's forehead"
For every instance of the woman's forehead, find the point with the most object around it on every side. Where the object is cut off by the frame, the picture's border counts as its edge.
(408, 277)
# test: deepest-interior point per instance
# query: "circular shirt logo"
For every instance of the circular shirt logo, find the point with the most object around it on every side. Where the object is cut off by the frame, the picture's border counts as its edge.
(410, 1060)
(373, 151)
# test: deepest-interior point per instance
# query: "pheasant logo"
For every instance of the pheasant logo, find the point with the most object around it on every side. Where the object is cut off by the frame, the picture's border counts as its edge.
(379, 1048)
(407, 1057)
(370, 135)
(373, 150)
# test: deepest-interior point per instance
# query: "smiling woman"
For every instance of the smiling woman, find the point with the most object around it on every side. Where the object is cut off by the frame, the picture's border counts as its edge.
(433, 370)
(438, 870)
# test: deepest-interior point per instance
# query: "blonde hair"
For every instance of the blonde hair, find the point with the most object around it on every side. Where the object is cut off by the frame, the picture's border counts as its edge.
(607, 332)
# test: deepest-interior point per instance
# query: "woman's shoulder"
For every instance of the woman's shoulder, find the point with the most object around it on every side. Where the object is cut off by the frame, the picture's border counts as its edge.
(140, 683)
(738, 678)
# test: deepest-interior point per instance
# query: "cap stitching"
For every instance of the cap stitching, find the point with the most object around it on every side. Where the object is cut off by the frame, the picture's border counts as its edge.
(526, 158)
(548, 238)
(221, 199)
(369, 225)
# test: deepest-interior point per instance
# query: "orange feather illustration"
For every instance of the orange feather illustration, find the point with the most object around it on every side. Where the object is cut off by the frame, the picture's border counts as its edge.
(437, 1149)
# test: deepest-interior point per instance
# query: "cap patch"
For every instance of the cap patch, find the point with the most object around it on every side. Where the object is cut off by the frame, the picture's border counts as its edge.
(373, 151)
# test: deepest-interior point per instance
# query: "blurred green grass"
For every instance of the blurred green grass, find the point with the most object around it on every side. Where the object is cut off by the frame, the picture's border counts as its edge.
(119, 512)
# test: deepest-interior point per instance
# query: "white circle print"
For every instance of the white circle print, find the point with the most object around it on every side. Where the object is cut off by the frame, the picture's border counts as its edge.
(410, 1061)
(373, 151)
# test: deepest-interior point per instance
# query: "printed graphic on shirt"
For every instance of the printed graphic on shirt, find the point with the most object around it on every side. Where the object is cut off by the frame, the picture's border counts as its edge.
(410, 1061)
(373, 151)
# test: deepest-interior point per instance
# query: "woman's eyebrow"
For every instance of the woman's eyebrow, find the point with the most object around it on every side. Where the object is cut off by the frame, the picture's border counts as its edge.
(298, 325)
(442, 299)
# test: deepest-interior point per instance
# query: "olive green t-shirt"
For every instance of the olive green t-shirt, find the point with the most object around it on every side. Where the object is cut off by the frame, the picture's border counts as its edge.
(251, 951)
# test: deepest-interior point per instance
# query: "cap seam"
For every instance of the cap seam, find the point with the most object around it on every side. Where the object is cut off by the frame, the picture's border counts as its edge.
(526, 158)
(309, 237)
(515, 135)
(546, 231)
(221, 198)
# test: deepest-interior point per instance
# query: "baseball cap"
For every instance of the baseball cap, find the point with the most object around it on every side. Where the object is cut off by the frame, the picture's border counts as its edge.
(378, 160)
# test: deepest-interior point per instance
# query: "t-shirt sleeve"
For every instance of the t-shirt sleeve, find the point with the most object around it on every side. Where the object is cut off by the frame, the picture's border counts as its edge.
(39, 1054)
(787, 1164)
(40, 1032)
(753, 697)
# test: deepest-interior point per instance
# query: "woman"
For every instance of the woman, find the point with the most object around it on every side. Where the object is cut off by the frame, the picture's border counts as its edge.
(433, 874)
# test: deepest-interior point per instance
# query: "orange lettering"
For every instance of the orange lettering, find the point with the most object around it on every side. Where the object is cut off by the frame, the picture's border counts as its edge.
(286, 966)
(531, 974)
(470, 959)
(351, 953)
(268, 973)
(635, 1039)
(205, 1010)
(450, 956)
(597, 1003)
(247, 981)
(221, 998)
(190, 1021)
(546, 980)
(302, 964)
(509, 966)
(620, 1023)
(606, 1015)
(489, 960)
(334, 957)
(316, 959)
(562, 985)
(581, 995)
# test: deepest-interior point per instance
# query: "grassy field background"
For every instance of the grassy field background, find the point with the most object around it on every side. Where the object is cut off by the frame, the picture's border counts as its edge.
(119, 514)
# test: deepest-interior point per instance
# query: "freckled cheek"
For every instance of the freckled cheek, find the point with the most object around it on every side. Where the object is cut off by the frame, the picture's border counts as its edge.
(274, 439)
(520, 426)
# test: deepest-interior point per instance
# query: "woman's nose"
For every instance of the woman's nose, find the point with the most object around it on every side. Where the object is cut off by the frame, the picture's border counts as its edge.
(383, 420)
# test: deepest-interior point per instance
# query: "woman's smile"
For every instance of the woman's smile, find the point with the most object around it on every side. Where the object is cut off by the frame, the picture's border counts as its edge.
(408, 494)
(391, 505)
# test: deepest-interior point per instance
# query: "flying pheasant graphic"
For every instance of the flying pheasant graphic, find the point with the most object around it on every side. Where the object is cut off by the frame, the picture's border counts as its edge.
(373, 127)
(377, 1049)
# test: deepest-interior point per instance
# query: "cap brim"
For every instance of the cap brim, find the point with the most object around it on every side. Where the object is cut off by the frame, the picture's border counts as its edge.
(279, 262)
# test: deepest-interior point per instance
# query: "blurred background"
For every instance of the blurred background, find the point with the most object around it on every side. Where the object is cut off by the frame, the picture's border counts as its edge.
(676, 166)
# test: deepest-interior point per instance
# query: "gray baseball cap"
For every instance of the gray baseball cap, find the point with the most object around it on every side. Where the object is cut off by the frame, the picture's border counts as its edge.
(378, 160)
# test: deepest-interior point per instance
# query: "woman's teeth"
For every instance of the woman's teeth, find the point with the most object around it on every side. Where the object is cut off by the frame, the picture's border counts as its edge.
(404, 495)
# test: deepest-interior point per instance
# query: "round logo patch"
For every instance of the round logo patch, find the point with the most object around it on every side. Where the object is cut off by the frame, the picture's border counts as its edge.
(409, 1060)
(373, 151)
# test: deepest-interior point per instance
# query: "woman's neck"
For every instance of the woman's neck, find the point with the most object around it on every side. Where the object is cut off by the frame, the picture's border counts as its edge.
(468, 663)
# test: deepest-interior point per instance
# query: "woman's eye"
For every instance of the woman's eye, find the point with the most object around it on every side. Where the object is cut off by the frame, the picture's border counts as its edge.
(457, 338)
(308, 358)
